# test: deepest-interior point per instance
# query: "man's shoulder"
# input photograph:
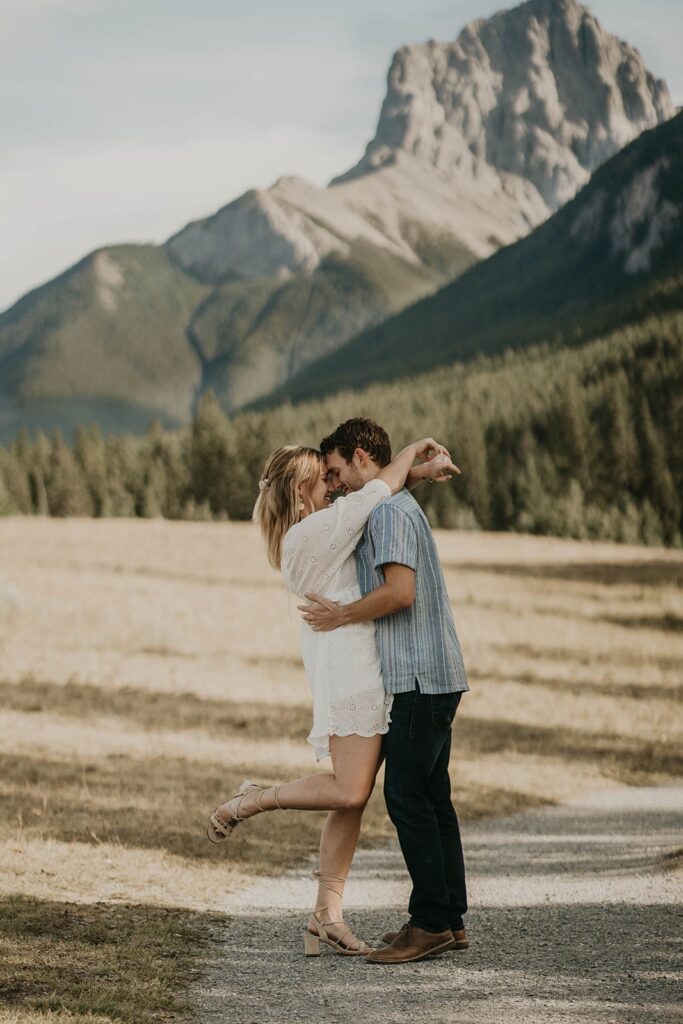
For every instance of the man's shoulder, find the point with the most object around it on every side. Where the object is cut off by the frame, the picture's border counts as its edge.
(402, 502)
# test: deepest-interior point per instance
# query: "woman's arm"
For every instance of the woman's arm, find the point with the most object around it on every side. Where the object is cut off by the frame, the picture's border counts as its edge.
(396, 473)
(315, 548)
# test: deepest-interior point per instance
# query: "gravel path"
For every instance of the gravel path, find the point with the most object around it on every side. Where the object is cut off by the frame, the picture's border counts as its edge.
(576, 914)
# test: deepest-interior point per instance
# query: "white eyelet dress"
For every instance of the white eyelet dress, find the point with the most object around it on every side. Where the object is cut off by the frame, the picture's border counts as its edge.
(342, 665)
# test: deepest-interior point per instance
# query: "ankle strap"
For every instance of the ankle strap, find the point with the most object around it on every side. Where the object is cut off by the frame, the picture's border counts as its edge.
(323, 880)
(276, 798)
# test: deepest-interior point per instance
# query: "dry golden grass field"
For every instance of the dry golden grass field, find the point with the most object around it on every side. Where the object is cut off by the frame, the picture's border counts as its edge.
(148, 666)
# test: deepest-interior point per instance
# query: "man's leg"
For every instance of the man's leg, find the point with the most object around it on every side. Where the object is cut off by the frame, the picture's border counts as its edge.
(411, 754)
(444, 707)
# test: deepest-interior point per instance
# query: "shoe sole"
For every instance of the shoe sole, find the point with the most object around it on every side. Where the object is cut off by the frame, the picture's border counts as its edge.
(220, 838)
(437, 951)
(453, 949)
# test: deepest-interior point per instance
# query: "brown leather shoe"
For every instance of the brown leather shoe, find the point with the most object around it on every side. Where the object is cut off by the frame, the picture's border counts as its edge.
(460, 940)
(412, 944)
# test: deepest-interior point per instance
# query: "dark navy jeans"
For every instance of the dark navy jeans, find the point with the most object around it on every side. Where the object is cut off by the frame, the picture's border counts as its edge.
(417, 790)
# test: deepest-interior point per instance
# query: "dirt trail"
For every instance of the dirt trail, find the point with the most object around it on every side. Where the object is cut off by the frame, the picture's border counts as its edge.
(576, 914)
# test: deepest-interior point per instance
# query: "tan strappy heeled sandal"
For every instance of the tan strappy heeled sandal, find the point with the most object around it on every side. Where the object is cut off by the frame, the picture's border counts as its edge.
(312, 940)
(226, 828)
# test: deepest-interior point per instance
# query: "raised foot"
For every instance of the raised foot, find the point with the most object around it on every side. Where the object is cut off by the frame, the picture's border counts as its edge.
(225, 819)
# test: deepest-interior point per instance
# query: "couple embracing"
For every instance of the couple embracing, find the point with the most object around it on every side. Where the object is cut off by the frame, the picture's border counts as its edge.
(384, 664)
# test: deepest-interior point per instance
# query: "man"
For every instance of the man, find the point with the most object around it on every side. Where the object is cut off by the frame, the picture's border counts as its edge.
(403, 588)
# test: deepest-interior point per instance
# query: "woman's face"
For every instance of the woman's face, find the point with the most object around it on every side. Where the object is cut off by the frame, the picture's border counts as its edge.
(318, 496)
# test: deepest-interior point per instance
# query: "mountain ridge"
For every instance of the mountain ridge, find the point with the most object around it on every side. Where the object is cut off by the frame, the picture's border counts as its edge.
(280, 278)
(512, 96)
(627, 222)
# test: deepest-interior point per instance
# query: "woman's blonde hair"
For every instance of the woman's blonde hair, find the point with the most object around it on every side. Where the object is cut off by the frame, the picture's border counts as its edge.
(277, 507)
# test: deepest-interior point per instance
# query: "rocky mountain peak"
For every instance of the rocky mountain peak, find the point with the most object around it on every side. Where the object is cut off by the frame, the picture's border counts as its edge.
(540, 92)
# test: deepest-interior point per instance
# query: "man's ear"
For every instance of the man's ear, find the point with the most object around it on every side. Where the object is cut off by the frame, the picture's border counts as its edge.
(362, 456)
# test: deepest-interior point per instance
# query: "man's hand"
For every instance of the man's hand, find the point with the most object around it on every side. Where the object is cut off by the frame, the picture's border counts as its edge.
(440, 468)
(322, 615)
(428, 448)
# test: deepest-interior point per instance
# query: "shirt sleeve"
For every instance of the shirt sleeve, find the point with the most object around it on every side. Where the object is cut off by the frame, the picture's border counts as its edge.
(394, 537)
(315, 548)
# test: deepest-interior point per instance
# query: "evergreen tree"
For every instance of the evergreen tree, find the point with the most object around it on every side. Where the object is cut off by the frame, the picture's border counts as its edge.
(660, 487)
(621, 462)
(90, 454)
(531, 513)
(122, 476)
(40, 468)
(472, 453)
(22, 449)
(65, 485)
(14, 481)
(166, 470)
(209, 453)
(574, 426)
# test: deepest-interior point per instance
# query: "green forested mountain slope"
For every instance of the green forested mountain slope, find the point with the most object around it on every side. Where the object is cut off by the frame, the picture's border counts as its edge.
(276, 280)
(110, 330)
(607, 258)
(127, 335)
(585, 441)
(254, 335)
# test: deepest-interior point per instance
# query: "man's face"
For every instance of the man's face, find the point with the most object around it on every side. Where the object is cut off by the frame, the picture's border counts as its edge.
(350, 475)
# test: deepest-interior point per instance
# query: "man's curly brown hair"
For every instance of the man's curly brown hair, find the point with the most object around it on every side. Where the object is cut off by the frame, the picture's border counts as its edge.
(359, 433)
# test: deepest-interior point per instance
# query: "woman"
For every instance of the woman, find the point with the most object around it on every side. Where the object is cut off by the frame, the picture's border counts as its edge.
(312, 542)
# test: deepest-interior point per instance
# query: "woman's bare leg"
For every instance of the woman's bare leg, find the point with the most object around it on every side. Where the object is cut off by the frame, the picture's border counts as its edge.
(340, 832)
(338, 842)
(347, 787)
(354, 763)
(344, 792)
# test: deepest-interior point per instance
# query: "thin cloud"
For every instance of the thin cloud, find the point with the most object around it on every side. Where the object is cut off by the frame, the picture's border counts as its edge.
(132, 192)
(28, 7)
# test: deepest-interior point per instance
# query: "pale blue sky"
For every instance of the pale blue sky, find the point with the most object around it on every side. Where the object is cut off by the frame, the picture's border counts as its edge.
(124, 119)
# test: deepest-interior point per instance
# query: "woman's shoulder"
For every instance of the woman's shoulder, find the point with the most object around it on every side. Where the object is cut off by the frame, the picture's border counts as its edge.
(376, 487)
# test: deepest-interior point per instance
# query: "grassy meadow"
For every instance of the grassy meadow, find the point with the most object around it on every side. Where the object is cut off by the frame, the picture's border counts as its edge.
(148, 666)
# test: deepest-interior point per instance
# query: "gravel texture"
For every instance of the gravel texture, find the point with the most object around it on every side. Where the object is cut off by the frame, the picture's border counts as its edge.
(576, 914)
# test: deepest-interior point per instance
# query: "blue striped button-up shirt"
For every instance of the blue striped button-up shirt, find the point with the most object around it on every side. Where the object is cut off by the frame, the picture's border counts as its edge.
(418, 643)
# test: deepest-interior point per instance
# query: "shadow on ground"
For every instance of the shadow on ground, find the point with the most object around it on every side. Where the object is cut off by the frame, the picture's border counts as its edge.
(535, 964)
(121, 962)
(576, 915)
(653, 572)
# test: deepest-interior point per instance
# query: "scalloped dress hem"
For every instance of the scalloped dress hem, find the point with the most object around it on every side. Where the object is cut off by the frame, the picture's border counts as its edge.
(321, 744)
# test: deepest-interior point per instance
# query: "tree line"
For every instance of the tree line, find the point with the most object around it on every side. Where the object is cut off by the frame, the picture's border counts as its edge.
(578, 442)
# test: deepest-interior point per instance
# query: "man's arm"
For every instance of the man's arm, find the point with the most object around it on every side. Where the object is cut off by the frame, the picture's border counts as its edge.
(395, 594)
